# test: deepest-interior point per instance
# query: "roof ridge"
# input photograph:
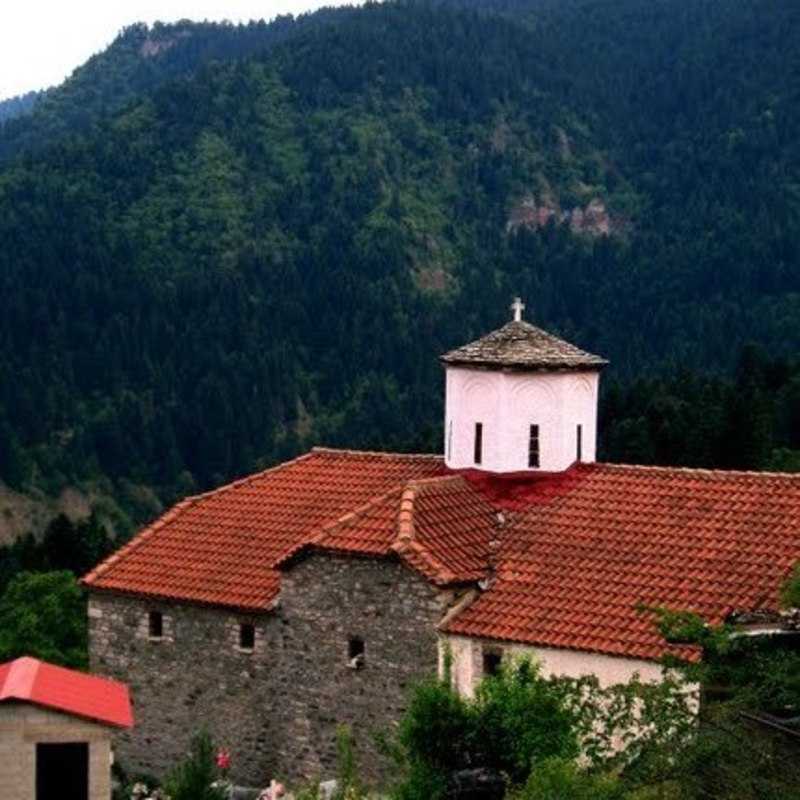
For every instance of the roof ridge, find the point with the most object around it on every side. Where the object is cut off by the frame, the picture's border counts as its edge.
(696, 470)
(377, 453)
(360, 511)
(175, 511)
(250, 478)
(335, 525)
(422, 483)
(407, 541)
(21, 678)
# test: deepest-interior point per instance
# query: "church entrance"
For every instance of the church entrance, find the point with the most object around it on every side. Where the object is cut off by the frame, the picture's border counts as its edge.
(62, 771)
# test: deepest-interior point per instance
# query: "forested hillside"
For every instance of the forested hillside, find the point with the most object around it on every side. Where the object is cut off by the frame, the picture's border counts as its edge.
(224, 264)
(138, 61)
(17, 106)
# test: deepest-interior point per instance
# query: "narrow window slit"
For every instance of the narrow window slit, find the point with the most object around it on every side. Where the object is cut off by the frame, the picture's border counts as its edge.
(533, 446)
(155, 624)
(478, 442)
(247, 636)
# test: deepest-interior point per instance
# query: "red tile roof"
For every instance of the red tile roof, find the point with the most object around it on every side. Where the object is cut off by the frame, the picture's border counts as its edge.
(575, 553)
(219, 548)
(574, 565)
(440, 526)
(98, 699)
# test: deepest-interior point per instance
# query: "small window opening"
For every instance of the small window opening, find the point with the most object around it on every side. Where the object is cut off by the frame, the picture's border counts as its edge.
(450, 440)
(478, 442)
(579, 443)
(533, 446)
(155, 624)
(247, 636)
(355, 653)
(492, 661)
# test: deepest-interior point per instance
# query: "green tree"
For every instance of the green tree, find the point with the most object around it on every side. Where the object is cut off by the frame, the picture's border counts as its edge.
(44, 615)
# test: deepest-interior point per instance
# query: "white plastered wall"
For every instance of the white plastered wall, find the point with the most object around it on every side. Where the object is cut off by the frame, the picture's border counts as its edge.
(467, 662)
(507, 403)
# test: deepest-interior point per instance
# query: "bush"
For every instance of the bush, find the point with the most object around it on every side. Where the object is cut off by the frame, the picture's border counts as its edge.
(560, 779)
(521, 719)
(516, 719)
(193, 779)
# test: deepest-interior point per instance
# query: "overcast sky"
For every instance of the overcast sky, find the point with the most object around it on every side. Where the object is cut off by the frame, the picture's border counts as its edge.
(42, 41)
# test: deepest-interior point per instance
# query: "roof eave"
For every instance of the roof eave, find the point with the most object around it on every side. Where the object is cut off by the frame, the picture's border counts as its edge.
(512, 366)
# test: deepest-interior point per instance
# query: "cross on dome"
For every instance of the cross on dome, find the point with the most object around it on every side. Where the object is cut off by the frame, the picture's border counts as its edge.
(517, 307)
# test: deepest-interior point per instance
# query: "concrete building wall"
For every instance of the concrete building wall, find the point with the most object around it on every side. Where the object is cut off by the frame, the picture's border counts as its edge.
(467, 662)
(23, 726)
(507, 404)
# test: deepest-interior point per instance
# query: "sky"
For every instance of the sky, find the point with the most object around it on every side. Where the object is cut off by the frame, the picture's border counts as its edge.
(42, 41)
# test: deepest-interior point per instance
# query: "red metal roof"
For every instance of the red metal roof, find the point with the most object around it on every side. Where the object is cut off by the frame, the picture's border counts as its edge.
(98, 699)
(575, 553)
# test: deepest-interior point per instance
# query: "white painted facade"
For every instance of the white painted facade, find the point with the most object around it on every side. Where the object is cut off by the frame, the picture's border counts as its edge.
(467, 656)
(506, 403)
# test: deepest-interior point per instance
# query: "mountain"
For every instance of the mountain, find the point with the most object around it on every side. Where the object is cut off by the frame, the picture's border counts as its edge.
(138, 61)
(18, 106)
(269, 248)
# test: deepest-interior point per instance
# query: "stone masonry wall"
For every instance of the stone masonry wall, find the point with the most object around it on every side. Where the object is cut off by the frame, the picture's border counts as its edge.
(277, 708)
(326, 601)
(195, 675)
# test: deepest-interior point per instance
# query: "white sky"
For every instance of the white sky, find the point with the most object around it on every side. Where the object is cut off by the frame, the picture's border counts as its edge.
(42, 41)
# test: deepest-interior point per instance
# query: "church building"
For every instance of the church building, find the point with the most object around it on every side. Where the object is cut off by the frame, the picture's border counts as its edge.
(317, 592)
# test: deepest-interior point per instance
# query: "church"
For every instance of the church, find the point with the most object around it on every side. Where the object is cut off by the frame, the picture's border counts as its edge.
(317, 592)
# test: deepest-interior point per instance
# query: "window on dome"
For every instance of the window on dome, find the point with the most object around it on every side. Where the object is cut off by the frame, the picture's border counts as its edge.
(533, 446)
(247, 636)
(478, 442)
(579, 443)
(155, 625)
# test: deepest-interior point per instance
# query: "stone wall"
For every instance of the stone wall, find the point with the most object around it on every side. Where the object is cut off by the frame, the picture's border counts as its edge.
(195, 675)
(325, 602)
(276, 708)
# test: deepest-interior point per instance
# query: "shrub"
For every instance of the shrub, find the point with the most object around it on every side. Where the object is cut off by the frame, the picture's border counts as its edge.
(193, 778)
(561, 779)
(516, 719)
(520, 719)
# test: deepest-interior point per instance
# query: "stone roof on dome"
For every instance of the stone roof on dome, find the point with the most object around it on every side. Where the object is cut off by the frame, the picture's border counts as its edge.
(520, 345)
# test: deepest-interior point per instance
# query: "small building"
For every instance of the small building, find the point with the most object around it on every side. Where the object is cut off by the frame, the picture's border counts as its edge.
(55, 731)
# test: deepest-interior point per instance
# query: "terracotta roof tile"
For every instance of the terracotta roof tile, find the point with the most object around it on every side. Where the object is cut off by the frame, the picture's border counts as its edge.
(573, 554)
(582, 550)
(520, 345)
(219, 548)
(441, 527)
